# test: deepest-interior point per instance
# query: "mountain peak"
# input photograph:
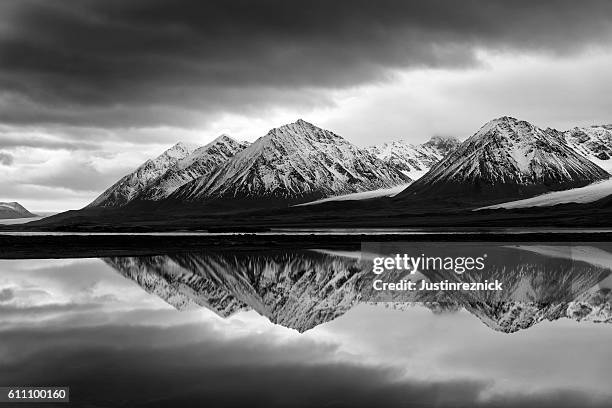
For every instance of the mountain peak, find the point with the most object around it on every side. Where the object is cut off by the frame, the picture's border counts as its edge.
(300, 130)
(502, 121)
(196, 165)
(445, 144)
(414, 160)
(298, 124)
(179, 145)
(439, 138)
(593, 142)
(131, 185)
(509, 128)
(222, 138)
(507, 118)
(180, 149)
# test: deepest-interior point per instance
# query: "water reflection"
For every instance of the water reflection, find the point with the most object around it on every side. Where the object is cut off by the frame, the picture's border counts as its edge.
(80, 323)
(302, 289)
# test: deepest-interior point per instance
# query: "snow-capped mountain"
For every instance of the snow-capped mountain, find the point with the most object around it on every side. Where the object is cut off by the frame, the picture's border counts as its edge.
(14, 210)
(415, 160)
(507, 158)
(135, 183)
(198, 164)
(294, 163)
(594, 143)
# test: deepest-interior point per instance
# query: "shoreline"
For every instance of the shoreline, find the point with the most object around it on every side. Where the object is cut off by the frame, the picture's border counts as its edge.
(47, 246)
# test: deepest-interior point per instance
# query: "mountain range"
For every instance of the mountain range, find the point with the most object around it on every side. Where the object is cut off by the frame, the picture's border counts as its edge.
(507, 158)
(506, 166)
(294, 163)
(14, 210)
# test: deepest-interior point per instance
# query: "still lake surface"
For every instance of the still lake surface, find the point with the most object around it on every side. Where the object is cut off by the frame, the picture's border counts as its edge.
(303, 328)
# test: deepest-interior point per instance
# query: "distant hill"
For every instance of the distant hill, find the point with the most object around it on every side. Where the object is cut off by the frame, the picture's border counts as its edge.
(14, 210)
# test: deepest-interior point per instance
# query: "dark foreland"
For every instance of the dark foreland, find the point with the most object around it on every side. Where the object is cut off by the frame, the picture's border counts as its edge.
(49, 246)
(374, 213)
(340, 225)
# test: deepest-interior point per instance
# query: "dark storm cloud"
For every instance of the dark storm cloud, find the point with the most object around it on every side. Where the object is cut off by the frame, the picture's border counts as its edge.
(123, 63)
(73, 175)
(6, 295)
(40, 142)
(6, 159)
(194, 365)
(41, 310)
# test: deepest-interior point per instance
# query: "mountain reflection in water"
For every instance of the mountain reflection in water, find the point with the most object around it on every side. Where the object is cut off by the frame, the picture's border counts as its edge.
(302, 289)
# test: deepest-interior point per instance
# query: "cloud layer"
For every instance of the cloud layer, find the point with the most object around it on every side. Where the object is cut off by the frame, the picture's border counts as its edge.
(102, 85)
(132, 63)
(6, 159)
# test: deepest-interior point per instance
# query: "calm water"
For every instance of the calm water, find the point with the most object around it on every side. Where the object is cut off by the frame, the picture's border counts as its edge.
(371, 232)
(303, 328)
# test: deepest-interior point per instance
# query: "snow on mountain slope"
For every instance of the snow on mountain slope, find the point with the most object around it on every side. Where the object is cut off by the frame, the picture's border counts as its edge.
(415, 160)
(199, 163)
(587, 194)
(14, 210)
(594, 143)
(133, 184)
(365, 195)
(507, 158)
(295, 162)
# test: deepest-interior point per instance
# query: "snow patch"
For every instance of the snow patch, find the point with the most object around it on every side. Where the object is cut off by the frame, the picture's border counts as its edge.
(587, 194)
(365, 195)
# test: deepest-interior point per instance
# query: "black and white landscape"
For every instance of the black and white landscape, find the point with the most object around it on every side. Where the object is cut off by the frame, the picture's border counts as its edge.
(208, 202)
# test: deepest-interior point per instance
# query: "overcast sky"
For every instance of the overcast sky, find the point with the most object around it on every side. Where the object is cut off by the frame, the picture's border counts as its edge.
(91, 88)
